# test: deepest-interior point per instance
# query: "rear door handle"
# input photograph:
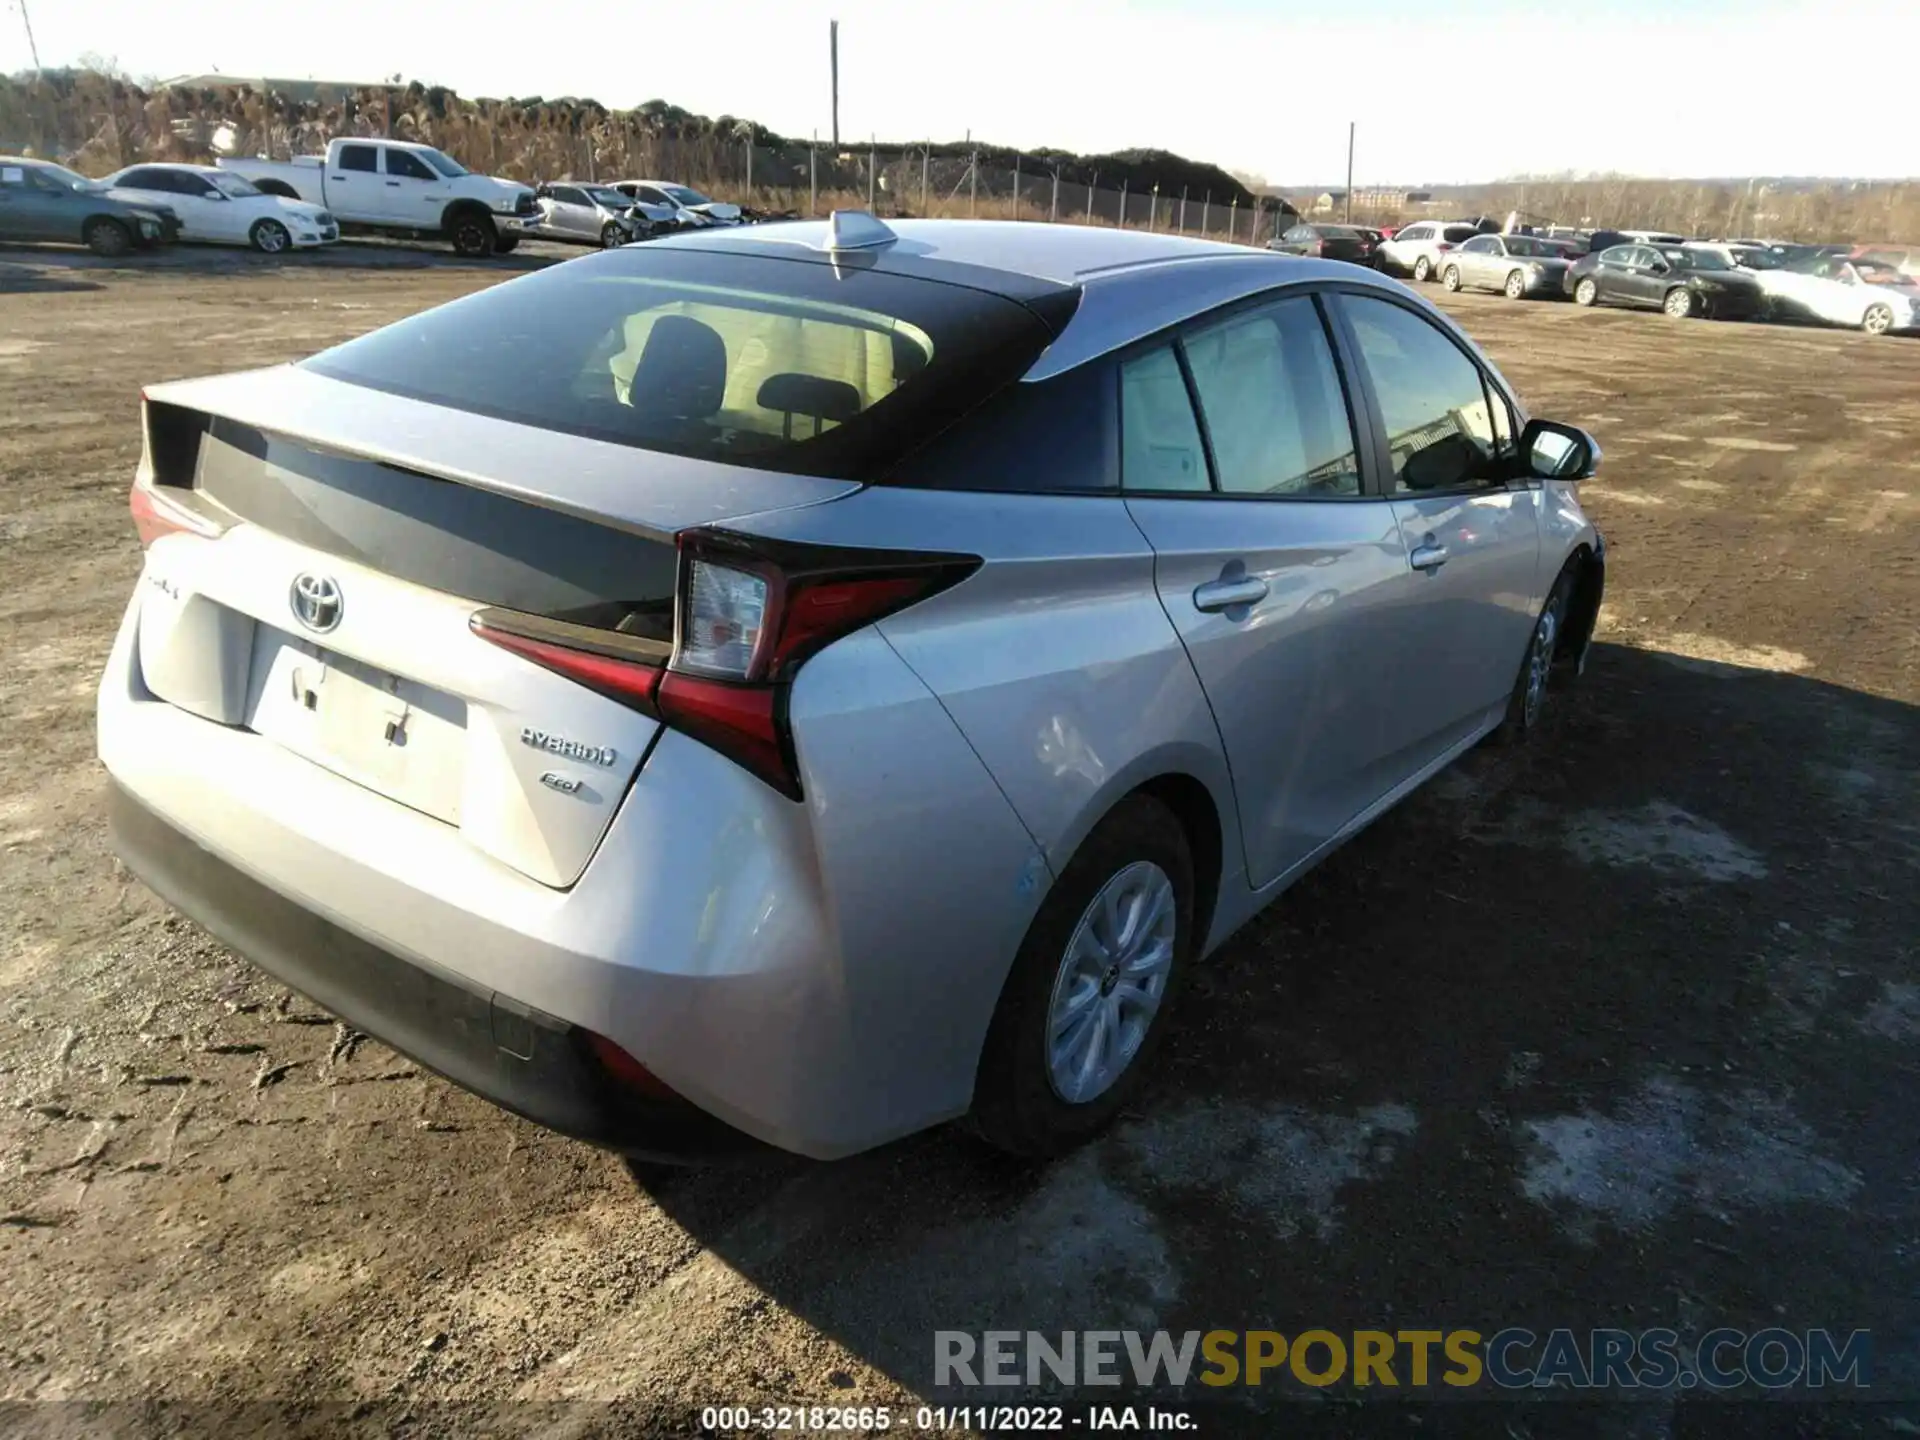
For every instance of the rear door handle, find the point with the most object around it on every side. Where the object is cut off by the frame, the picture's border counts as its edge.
(394, 183)
(1428, 557)
(1225, 594)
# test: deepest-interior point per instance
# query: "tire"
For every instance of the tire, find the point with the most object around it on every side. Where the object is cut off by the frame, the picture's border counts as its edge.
(270, 237)
(1527, 700)
(472, 234)
(1586, 292)
(1878, 319)
(1450, 277)
(612, 236)
(107, 237)
(1039, 1098)
(1679, 303)
(1516, 286)
(505, 244)
(1423, 269)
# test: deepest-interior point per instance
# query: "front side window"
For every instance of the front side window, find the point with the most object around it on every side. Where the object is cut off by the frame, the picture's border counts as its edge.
(567, 195)
(361, 158)
(1160, 445)
(1275, 410)
(406, 166)
(445, 164)
(1437, 408)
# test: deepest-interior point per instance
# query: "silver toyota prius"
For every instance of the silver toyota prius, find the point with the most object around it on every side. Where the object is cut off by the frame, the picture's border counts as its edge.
(794, 685)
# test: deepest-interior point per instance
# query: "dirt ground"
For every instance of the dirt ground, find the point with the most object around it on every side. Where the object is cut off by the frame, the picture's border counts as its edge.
(1622, 1030)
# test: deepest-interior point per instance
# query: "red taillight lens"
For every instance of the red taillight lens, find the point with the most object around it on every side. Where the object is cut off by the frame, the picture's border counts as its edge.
(630, 681)
(622, 1068)
(746, 723)
(155, 515)
(1443, 245)
(751, 613)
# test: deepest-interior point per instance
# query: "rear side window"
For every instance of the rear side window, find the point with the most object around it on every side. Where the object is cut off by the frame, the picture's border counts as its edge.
(359, 157)
(1054, 436)
(775, 363)
(1160, 445)
(1276, 414)
(1436, 406)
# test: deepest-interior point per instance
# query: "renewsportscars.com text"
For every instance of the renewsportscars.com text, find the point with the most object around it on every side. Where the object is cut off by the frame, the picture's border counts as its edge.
(1513, 1358)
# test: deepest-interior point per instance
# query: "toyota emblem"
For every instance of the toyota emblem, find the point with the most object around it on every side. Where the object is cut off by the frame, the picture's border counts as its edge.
(316, 602)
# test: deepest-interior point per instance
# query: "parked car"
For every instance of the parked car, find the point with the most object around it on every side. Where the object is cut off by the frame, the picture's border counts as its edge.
(1680, 280)
(1789, 254)
(683, 203)
(1904, 258)
(217, 208)
(591, 215)
(39, 201)
(1327, 242)
(1739, 253)
(1417, 248)
(780, 711)
(396, 187)
(1839, 290)
(1518, 265)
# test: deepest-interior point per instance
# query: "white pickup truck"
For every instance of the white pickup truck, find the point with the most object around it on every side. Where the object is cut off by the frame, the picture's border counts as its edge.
(396, 186)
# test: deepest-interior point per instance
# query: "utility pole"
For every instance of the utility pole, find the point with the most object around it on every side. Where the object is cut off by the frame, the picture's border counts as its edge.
(926, 162)
(32, 49)
(833, 59)
(1350, 130)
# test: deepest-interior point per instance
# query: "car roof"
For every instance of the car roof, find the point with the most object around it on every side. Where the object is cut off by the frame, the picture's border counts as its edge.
(177, 165)
(1132, 283)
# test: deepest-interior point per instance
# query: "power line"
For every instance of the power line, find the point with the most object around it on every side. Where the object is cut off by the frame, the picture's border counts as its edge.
(32, 49)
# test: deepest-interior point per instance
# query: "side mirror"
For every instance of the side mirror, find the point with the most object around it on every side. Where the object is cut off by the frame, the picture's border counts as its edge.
(1559, 452)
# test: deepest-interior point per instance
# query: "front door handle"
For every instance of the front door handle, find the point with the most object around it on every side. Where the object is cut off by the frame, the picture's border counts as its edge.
(1225, 594)
(1428, 557)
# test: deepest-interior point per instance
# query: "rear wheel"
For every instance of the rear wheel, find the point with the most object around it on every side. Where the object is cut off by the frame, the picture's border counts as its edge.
(108, 237)
(1878, 319)
(1586, 292)
(473, 234)
(1450, 277)
(505, 244)
(1679, 303)
(1085, 1003)
(1423, 269)
(269, 237)
(1517, 285)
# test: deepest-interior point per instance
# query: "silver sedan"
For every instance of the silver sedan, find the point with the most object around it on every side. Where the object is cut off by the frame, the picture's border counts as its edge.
(795, 685)
(1519, 266)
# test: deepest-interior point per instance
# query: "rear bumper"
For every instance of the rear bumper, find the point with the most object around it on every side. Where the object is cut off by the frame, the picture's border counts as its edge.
(818, 977)
(520, 1058)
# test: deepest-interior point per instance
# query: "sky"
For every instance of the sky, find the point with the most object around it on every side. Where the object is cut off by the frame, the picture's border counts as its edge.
(1442, 91)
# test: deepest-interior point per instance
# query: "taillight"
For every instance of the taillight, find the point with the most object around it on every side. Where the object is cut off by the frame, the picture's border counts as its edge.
(751, 612)
(155, 515)
(1443, 245)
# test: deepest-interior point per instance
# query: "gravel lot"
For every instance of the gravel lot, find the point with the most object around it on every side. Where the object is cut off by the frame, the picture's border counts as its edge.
(1622, 1030)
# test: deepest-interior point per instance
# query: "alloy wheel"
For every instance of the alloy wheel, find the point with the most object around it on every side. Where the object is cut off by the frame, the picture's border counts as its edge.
(1111, 981)
(1546, 636)
(1878, 319)
(1516, 285)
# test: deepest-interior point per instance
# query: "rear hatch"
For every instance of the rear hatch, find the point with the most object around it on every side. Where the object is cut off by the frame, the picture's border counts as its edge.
(326, 541)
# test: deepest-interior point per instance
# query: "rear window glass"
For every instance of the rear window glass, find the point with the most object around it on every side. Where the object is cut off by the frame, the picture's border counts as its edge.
(833, 370)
